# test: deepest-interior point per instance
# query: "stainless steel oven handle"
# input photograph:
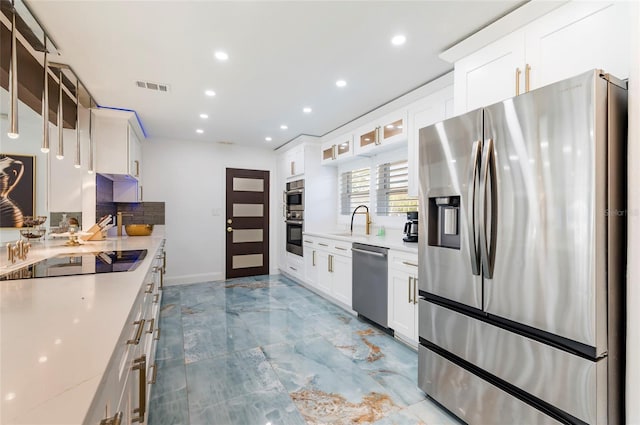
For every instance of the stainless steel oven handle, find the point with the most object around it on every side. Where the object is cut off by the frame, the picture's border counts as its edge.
(294, 222)
(362, 251)
(292, 191)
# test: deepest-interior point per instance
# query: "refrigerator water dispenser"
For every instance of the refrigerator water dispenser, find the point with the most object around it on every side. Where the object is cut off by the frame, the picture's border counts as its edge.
(444, 221)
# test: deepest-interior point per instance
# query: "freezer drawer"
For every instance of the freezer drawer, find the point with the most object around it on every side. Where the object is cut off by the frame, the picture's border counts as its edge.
(471, 398)
(564, 380)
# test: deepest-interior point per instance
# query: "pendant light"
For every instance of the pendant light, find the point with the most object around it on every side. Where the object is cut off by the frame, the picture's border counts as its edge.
(77, 161)
(13, 80)
(60, 154)
(45, 103)
(90, 171)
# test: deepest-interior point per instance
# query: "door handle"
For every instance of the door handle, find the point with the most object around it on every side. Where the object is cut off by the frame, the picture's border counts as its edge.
(409, 289)
(518, 72)
(527, 79)
(138, 335)
(488, 243)
(471, 207)
(140, 364)
(229, 229)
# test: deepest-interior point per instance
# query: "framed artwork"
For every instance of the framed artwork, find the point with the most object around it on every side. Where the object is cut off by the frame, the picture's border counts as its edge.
(17, 188)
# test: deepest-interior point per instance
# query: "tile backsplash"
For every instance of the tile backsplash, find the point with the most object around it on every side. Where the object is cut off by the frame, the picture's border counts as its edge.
(141, 212)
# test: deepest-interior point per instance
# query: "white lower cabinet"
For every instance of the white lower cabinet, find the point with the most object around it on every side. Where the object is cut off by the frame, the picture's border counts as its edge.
(403, 295)
(310, 261)
(328, 267)
(124, 393)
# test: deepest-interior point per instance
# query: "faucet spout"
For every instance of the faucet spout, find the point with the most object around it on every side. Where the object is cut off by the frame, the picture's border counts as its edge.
(367, 217)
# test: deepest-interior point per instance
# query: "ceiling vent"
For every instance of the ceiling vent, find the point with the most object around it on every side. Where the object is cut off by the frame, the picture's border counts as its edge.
(153, 86)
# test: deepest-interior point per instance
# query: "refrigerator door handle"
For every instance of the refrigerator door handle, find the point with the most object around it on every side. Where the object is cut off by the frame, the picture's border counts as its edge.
(488, 171)
(474, 169)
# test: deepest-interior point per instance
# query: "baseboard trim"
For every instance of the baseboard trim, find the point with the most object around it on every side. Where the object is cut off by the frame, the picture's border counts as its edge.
(192, 278)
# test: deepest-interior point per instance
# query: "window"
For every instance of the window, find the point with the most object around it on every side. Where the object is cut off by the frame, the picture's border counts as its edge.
(391, 190)
(354, 189)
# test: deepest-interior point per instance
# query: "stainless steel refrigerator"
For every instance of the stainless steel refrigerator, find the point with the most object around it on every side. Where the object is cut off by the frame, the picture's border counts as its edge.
(521, 278)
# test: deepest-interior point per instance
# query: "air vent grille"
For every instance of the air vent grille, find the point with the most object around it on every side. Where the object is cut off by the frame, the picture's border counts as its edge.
(153, 86)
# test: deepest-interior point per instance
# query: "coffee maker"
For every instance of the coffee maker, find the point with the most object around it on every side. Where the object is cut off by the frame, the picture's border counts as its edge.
(411, 227)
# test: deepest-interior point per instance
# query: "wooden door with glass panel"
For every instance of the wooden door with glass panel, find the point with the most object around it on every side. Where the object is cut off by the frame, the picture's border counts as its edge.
(247, 223)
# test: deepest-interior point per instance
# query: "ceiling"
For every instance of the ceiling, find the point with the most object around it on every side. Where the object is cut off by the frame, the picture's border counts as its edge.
(283, 56)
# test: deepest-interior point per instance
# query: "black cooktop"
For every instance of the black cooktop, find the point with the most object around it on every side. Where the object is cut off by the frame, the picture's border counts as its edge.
(80, 263)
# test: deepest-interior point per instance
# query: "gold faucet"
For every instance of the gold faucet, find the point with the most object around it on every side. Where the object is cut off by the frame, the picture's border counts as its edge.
(119, 216)
(367, 218)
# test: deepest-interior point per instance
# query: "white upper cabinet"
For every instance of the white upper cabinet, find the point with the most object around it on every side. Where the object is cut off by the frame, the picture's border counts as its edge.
(292, 164)
(337, 149)
(578, 37)
(490, 75)
(382, 133)
(571, 39)
(117, 147)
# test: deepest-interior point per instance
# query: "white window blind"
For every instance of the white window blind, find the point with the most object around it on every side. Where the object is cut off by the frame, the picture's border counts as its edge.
(391, 189)
(354, 189)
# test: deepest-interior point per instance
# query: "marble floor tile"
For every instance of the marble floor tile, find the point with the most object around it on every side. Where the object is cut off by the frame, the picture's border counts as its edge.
(215, 380)
(262, 407)
(264, 349)
(205, 342)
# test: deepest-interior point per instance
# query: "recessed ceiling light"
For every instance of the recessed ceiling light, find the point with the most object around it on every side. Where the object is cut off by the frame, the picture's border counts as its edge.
(204, 116)
(221, 56)
(210, 93)
(306, 110)
(341, 83)
(268, 139)
(199, 131)
(398, 40)
(283, 127)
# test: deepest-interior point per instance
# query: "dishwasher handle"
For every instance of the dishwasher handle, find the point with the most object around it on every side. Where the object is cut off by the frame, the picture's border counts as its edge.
(362, 251)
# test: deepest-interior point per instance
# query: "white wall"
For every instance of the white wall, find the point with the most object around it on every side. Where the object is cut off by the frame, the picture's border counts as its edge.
(190, 178)
(633, 254)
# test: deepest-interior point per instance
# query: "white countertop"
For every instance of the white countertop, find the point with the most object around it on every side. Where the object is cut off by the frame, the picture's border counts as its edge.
(392, 239)
(57, 334)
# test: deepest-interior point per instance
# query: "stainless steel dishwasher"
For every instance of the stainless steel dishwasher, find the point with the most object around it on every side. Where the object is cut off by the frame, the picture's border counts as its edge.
(369, 282)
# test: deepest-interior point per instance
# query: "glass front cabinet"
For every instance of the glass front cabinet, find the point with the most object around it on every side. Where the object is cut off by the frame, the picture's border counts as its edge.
(389, 129)
(337, 149)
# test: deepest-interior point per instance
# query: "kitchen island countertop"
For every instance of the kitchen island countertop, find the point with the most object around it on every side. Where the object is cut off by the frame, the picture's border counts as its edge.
(57, 334)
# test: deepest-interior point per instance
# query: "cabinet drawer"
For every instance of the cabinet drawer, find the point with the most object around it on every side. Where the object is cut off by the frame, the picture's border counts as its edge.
(405, 261)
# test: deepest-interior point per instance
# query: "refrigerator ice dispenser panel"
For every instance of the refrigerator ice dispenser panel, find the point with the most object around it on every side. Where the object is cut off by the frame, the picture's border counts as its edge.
(444, 219)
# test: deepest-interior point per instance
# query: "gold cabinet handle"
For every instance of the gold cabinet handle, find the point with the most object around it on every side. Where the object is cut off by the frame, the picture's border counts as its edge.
(149, 288)
(152, 324)
(292, 167)
(406, 263)
(322, 244)
(156, 298)
(527, 79)
(157, 337)
(518, 72)
(137, 167)
(164, 262)
(114, 420)
(154, 375)
(376, 139)
(341, 248)
(136, 338)
(415, 290)
(293, 268)
(313, 258)
(161, 278)
(409, 290)
(334, 149)
(141, 196)
(140, 364)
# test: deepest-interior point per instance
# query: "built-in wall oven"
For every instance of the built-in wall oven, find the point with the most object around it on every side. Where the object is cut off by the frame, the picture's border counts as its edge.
(294, 199)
